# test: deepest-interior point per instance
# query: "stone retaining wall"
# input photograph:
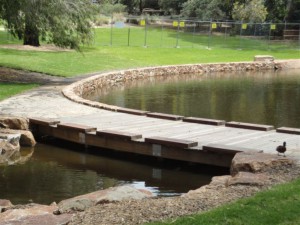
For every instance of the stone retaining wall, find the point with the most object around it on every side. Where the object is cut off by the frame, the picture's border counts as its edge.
(77, 90)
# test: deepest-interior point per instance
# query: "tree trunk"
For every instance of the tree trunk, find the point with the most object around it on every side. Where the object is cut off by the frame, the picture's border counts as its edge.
(31, 35)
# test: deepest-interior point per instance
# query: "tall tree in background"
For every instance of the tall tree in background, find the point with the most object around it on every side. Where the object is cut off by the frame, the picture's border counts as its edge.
(65, 23)
(172, 7)
(204, 9)
(250, 11)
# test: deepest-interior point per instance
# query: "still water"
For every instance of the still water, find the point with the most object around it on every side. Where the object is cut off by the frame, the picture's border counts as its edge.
(271, 98)
(56, 173)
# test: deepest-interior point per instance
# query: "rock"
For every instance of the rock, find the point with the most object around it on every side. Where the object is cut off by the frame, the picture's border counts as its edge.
(27, 138)
(9, 153)
(258, 162)
(263, 58)
(12, 139)
(16, 123)
(115, 194)
(4, 204)
(217, 183)
(246, 178)
(34, 215)
(9, 143)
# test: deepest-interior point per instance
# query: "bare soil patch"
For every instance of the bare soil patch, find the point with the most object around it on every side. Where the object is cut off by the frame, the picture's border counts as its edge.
(42, 48)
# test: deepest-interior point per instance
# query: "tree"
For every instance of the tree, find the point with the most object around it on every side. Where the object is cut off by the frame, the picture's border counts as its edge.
(172, 7)
(203, 9)
(66, 23)
(250, 11)
(283, 10)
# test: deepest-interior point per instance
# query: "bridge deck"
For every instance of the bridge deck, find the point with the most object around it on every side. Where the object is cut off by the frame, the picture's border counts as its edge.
(215, 144)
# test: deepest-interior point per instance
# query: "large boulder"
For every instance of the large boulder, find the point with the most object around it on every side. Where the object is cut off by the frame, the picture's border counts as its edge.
(33, 215)
(259, 163)
(9, 148)
(26, 137)
(4, 204)
(16, 123)
(114, 194)
(246, 178)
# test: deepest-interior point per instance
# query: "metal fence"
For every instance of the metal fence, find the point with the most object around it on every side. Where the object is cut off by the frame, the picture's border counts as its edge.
(158, 32)
(178, 33)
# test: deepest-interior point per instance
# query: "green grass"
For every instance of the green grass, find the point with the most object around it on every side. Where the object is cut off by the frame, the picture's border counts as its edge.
(10, 89)
(280, 205)
(103, 58)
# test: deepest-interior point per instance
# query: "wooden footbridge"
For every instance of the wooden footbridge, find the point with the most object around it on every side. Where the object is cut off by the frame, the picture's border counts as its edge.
(206, 141)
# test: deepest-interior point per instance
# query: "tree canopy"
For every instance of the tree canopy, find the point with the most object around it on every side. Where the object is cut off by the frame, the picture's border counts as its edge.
(203, 9)
(66, 23)
(250, 11)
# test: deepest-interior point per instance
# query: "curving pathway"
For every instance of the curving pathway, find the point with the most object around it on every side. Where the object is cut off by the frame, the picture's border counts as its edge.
(48, 102)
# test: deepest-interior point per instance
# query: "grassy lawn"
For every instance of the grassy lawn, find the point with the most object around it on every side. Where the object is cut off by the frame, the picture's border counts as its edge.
(280, 205)
(97, 58)
(10, 89)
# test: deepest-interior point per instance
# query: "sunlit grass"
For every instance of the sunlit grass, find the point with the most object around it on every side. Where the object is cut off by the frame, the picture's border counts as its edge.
(10, 89)
(280, 205)
(160, 50)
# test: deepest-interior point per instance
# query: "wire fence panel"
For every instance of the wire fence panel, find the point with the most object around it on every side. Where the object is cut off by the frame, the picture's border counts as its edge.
(161, 32)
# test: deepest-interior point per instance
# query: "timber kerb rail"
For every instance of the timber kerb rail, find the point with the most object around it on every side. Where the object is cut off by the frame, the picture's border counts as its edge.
(157, 146)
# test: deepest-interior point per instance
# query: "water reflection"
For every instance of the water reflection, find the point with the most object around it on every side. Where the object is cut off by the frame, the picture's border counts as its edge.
(55, 173)
(264, 97)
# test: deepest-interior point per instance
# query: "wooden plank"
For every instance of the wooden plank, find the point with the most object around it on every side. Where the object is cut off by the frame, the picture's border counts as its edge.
(43, 121)
(165, 116)
(288, 130)
(132, 111)
(119, 134)
(76, 127)
(250, 126)
(226, 148)
(204, 121)
(171, 142)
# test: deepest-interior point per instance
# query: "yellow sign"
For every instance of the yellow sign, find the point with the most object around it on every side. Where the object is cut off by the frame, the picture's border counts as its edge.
(142, 22)
(244, 26)
(273, 26)
(182, 24)
(175, 23)
(213, 25)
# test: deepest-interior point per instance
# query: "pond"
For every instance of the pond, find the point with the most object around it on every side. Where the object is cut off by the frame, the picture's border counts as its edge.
(265, 98)
(57, 172)
(54, 173)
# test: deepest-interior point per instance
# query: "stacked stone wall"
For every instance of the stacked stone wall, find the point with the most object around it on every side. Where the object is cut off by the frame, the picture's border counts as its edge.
(78, 90)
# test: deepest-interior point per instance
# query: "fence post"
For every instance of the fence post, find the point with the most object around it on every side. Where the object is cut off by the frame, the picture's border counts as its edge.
(194, 33)
(111, 30)
(177, 35)
(270, 30)
(209, 34)
(128, 36)
(161, 33)
(145, 39)
(241, 33)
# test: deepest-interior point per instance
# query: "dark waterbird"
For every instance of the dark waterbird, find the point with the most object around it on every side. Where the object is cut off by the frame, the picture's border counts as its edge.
(281, 148)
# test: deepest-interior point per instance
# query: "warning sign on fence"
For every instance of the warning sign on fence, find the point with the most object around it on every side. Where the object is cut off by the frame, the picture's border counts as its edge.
(142, 22)
(244, 26)
(213, 25)
(273, 26)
